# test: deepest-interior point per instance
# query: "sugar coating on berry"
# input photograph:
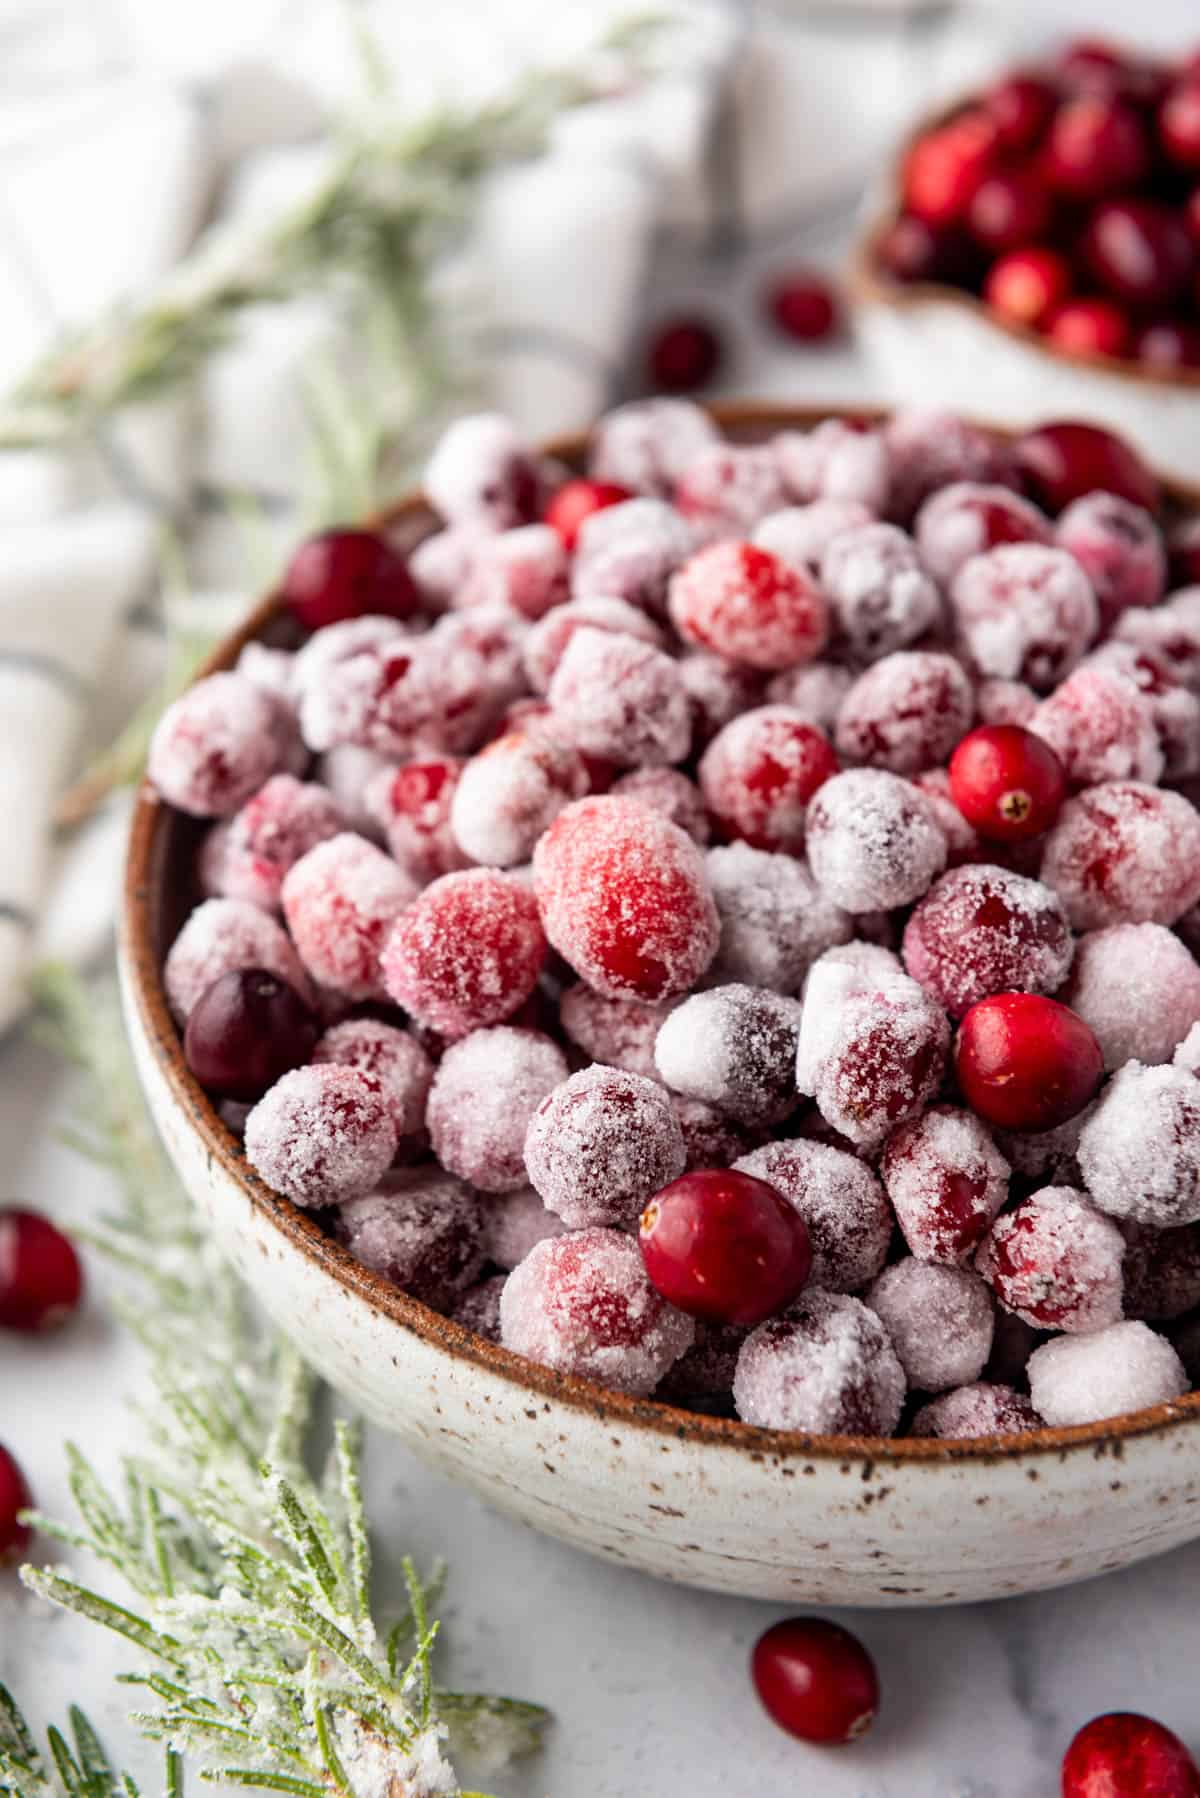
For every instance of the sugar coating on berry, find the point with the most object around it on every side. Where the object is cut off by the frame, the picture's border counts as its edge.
(602, 1144)
(929, 449)
(1174, 709)
(647, 444)
(871, 1056)
(222, 935)
(615, 696)
(630, 552)
(939, 1319)
(282, 822)
(396, 1059)
(582, 1304)
(481, 473)
(1138, 988)
(1120, 549)
(841, 1201)
(825, 1366)
(947, 1181)
(760, 772)
(621, 1033)
(730, 486)
(1125, 853)
(669, 793)
(1161, 1271)
(271, 670)
(1101, 728)
(981, 930)
(870, 961)
(422, 1230)
(800, 535)
(1024, 612)
(348, 773)
(980, 1409)
(749, 606)
(479, 1307)
(624, 898)
(441, 563)
(816, 692)
(1056, 1262)
(411, 804)
(906, 712)
(524, 569)
(775, 920)
(1139, 1151)
(706, 1370)
(1083, 1379)
(1170, 631)
(1187, 1055)
(548, 639)
(340, 901)
(967, 518)
(1005, 702)
(962, 842)
(325, 649)
(485, 1091)
(835, 462)
(880, 597)
(321, 1135)
(511, 792)
(873, 840)
(466, 953)
(711, 1138)
(735, 1048)
(514, 1222)
(214, 746)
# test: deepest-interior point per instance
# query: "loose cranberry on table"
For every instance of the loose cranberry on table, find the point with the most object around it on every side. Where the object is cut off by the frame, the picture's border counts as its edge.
(683, 354)
(15, 1536)
(245, 1030)
(344, 574)
(577, 500)
(803, 306)
(1124, 1755)
(724, 1247)
(1025, 1062)
(1007, 782)
(41, 1281)
(816, 1680)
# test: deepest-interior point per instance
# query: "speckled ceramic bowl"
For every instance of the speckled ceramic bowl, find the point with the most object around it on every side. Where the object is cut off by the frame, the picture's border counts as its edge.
(691, 1498)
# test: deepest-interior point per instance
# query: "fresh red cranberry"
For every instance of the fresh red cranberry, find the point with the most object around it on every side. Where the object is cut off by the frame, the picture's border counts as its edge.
(803, 306)
(1097, 145)
(1064, 460)
(683, 354)
(1089, 328)
(344, 574)
(816, 1680)
(1026, 285)
(910, 249)
(1139, 251)
(1179, 124)
(1168, 343)
(576, 501)
(15, 1537)
(1010, 208)
(246, 1030)
(725, 1247)
(1007, 782)
(41, 1281)
(1123, 1755)
(1020, 107)
(944, 168)
(1025, 1062)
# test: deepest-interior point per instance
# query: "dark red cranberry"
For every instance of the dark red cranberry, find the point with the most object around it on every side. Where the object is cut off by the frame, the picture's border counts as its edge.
(1168, 343)
(944, 168)
(1066, 459)
(1179, 124)
(1020, 107)
(683, 353)
(1009, 208)
(41, 1281)
(1097, 145)
(576, 501)
(1026, 1063)
(803, 306)
(1088, 328)
(15, 1537)
(816, 1680)
(725, 1247)
(1123, 1755)
(246, 1030)
(911, 250)
(1007, 782)
(1140, 251)
(1027, 285)
(1092, 65)
(344, 574)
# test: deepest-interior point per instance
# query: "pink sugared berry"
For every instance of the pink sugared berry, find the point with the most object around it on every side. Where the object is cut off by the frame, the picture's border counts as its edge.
(601, 1144)
(41, 1281)
(485, 1091)
(872, 1051)
(881, 597)
(1025, 1062)
(1064, 460)
(939, 1320)
(981, 1409)
(844, 1208)
(340, 901)
(482, 474)
(1008, 783)
(394, 1058)
(684, 353)
(524, 570)
(966, 519)
(321, 1135)
(982, 930)
(946, 1180)
(615, 696)
(759, 774)
(841, 460)
(1174, 709)
(1101, 727)
(630, 552)
(1056, 1262)
(421, 1229)
(775, 920)
(905, 712)
(514, 1222)
(466, 953)
(343, 574)
(214, 746)
(510, 793)
(825, 1366)
(248, 856)
(1125, 853)
(577, 500)
(803, 306)
(411, 805)
(735, 1048)
(15, 1536)
(223, 935)
(816, 1680)
(621, 1033)
(647, 444)
(669, 793)
(724, 1247)
(800, 535)
(245, 1030)
(1005, 702)
(1139, 1149)
(1124, 1755)
(748, 606)
(547, 641)
(1025, 611)
(1138, 988)
(873, 840)
(1119, 547)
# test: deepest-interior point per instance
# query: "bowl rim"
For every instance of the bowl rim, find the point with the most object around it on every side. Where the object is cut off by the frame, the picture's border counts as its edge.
(300, 1232)
(868, 281)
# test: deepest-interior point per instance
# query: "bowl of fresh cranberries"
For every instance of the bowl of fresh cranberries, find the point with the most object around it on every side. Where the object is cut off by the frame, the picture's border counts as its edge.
(1040, 248)
(671, 967)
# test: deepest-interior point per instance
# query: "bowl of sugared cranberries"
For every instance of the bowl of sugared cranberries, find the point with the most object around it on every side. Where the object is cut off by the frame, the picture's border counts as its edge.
(1039, 247)
(670, 965)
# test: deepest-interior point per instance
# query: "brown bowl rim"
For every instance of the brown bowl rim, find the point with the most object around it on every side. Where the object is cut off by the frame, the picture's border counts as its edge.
(301, 1233)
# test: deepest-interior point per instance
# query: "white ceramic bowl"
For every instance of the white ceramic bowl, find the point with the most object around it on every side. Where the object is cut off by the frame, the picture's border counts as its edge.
(692, 1498)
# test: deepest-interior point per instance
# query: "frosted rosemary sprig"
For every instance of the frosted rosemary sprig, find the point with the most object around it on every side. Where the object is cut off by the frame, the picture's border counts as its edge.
(246, 1577)
(77, 1766)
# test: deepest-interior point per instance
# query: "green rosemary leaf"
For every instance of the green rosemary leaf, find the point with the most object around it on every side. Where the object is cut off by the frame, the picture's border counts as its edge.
(263, 1781)
(348, 1448)
(70, 1775)
(59, 1590)
(93, 1762)
(297, 1524)
(16, 1741)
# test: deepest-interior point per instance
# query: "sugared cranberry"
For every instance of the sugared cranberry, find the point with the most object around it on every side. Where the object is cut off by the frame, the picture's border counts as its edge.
(759, 773)
(1097, 145)
(486, 1089)
(816, 1680)
(215, 745)
(1020, 107)
(1139, 251)
(1064, 460)
(1007, 782)
(880, 595)
(41, 1281)
(322, 1135)
(615, 696)
(412, 805)
(15, 1536)
(577, 500)
(872, 1051)
(344, 574)
(1167, 343)
(946, 1180)
(683, 354)
(724, 1247)
(1125, 853)
(912, 250)
(940, 1320)
(246, 1030)
(482, 476)
(421, 1229)
(905, 712)
(735, 1048)
(968, 518)
(1056, 1262)
(1027, 285)
(340, 900)
(1025, 1062)
(466, 953)
(825, 1366)
(510, 793)
(982, 930)
(1120, 549)
(1008, 209)
(750, 607)
(1124, 1755)
(803, 306)
(1088, 328)
(1139, 1150)
(943, 169)
(1179, 124)
(873, 840)
(845, 1209)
